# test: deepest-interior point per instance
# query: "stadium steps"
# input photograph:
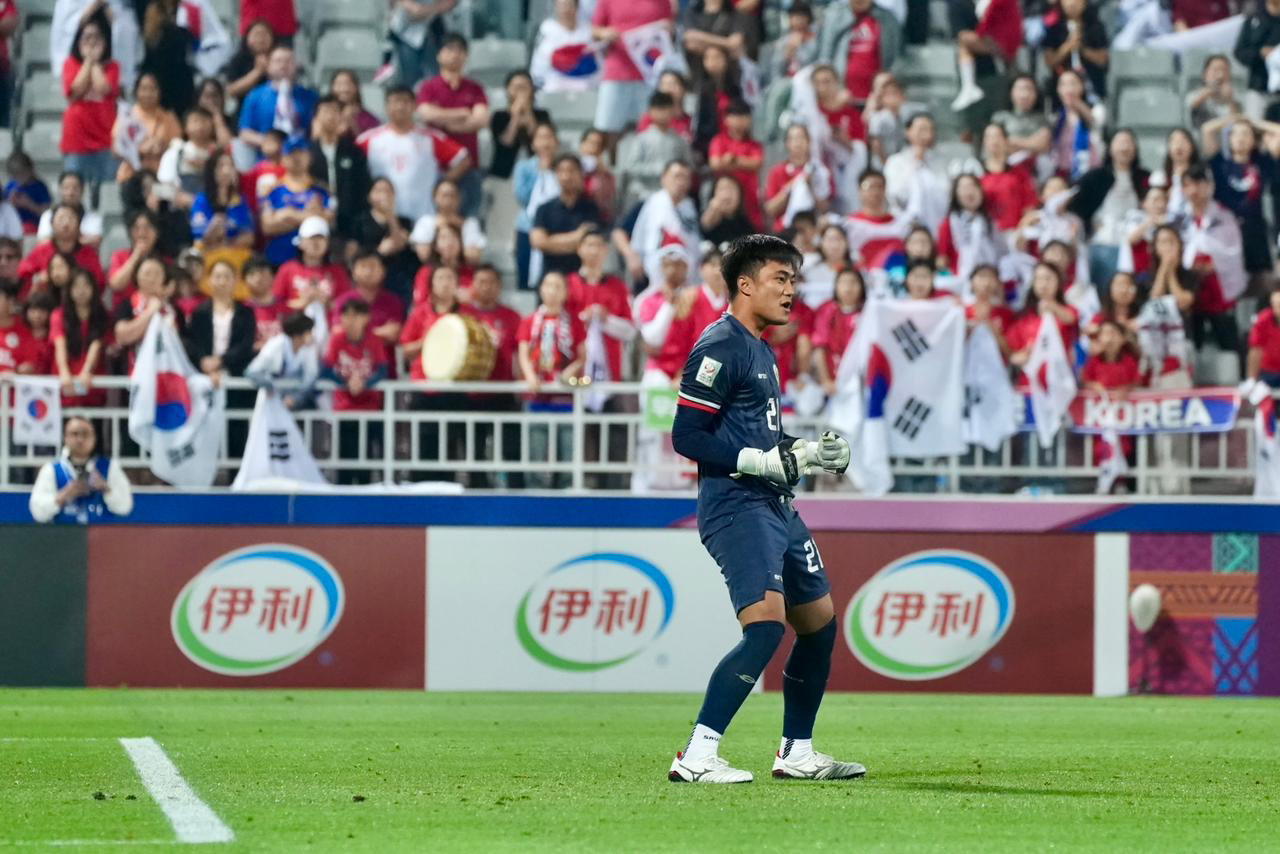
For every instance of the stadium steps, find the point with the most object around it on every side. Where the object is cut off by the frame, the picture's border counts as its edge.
(32, 53)
(41, 98)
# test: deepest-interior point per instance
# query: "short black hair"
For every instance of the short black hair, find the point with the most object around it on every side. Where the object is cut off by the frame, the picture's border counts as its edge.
(254, 264)
(329, 101)
(41, 299)
(871, 173)
(917, 263)
(1197, 172)
(9, 288)
(677, 161)
(485, 268)
(366, 253)
(801, 8)
(513, 74)
(401, 89)
(661, 101)
(296, 323)
(807, 215)
(454, 40)
(100, 20)
(746, 255)
(738, 107)
(567, 157)
(984, 268)
(355, 306)
(71, 173)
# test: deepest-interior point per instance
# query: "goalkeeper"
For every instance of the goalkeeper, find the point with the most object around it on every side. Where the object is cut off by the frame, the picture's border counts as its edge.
(729, 421)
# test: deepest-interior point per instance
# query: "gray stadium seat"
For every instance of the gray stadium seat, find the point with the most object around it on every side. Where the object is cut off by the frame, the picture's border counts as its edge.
(1149, 107)
(489, 60)
(34, 51)
(323, 15)
(574, 111)
(42, 97)
(229, 13)
(497, 97)
(41, 142)
(776, 98)
(356, 49)
(37, 10)
(1142, 64)
(374, 99)
(6, 143)
(1193, 61)
(927, 65)
(1151, 150)
(939, 20)
(116, 237)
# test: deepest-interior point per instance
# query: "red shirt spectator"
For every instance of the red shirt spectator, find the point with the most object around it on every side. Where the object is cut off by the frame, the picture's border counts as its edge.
(848, 119)
(75, 362)
(36, 263)
(348, 359)
(1022, 334)
(680, 338)
(279, 15)
(865, 60)
(384, 308)
(268, 317)
(707, 309)
(610, 292)
(422, 282)
(623, 15)
(1265, 336)
(1010, 194)
(416, 326)
(1001, 315)
(8, 9)
(89, 118)
(785, 340)
(681, 125)
(16, 350)
(296, 283)
(741, 149)
(466, 94)
(833, 328)
(777, 178)
(1122, 373)
(539, 330)
(504, 325)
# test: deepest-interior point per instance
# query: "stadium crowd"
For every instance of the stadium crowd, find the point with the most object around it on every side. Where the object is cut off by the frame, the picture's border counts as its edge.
(287, 227)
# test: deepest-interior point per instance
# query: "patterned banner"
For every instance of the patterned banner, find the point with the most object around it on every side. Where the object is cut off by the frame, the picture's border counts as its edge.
(1197, 410)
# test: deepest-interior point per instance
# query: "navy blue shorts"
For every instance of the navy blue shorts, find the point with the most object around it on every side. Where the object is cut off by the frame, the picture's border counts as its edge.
(767, 547)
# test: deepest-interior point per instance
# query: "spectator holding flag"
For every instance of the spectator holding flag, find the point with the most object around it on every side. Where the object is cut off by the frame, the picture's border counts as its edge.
(565, 57)
(799, 183)
(1264, 343)
(623, 93)
(1046, 299)
(80, 486)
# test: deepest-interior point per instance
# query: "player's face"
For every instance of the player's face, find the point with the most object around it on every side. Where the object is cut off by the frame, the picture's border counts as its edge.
(771, 292)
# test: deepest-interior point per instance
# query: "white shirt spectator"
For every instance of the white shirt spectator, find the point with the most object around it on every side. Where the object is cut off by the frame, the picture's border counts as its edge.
(413, 162)
(90, 226)
(424, 231)
(44, 505)
(918, 185)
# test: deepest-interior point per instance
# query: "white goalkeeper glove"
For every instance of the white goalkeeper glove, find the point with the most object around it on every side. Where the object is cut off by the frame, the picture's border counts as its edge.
(781, 464)
(830, 453)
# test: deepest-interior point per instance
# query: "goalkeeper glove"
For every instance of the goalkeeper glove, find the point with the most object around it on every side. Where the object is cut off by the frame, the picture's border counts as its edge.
(780, 464)
(830, 453)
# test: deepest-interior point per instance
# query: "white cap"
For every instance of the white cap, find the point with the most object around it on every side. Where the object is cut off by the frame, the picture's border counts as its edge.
(313, 226)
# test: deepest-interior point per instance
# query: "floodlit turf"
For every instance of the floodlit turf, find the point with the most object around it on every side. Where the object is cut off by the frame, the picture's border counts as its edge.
(373, 771)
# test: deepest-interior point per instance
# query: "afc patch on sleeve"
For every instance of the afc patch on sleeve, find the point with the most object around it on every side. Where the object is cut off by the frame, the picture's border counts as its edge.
(708, 371)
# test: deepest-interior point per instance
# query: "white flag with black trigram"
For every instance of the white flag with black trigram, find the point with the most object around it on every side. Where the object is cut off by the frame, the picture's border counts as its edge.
(992, 409)
(275, 448)
(912, 358)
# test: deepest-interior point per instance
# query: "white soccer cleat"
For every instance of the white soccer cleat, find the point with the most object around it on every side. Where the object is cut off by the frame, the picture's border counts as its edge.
(713, 769)
(815, 766)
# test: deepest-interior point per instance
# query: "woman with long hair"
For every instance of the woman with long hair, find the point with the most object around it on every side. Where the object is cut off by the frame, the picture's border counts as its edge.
(1181, 153)
(1074, 148)
(1045, 299)
(534, 182)
(220, 216)
(79, 328)
(168, 56)
(967, 238)
(725, 217)
(719, 87)
(1010, 190)
(211, 96)
(834, 326)
(345, 86)
(248, 65)
(818, 283)
(445, 251)
(1105, 199)
(91, 83)
(142, 135)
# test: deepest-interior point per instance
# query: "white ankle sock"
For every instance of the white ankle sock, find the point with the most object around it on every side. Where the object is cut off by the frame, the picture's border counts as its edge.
(795, 748)
(968, 80)
(704, 742)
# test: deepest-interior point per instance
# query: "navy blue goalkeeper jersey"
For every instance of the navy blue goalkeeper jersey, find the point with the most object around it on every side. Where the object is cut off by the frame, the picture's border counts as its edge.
(734, 375)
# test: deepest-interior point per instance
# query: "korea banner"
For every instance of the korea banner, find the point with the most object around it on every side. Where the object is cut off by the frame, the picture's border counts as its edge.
(275, 448)
(991, 407)
(175, 413)
(1146, 412)
(652, 50)
(1053, 383)
(37, 416)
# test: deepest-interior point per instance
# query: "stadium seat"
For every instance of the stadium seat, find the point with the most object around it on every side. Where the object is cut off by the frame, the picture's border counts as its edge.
(374, 99)
(38, 10)
(1151, 150)
(497, 97)
(484, 143)
(109, 203)
(6, 143)
(1141, 65)
(354, 49)
(115, 237)
(42, 97)
(323, 15)
(939, 21)
(776, 98)
(489, 60)
(41, 142)
(575, 111)
(228, 12)
(927, 65)
(34, 51)
(1192, 64)
(1150, 107)
(304, 49)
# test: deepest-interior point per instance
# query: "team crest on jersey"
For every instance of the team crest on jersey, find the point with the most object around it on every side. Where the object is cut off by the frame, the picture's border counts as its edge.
(708, 371)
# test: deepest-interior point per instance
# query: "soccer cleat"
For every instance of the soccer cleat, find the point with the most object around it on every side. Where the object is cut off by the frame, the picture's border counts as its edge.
(713, 769)
(815, 766)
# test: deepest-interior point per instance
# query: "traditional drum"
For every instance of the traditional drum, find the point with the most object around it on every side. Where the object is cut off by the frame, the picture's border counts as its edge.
(458, 347)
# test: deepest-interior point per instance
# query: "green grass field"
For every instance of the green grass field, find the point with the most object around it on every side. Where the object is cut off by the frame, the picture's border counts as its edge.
(375, 771)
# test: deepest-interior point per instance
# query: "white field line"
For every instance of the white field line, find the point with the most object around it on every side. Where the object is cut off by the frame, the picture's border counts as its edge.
(22, 738)
(192, 820)
(69, 843)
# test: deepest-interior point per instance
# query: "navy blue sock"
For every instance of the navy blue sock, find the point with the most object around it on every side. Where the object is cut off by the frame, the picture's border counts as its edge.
(737, 672)
(804, 680)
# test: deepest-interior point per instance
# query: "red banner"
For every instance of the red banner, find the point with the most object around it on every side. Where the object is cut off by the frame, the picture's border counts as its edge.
(959, 612)
(257, 607)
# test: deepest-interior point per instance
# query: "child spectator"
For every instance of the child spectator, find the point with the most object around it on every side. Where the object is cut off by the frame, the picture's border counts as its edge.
(1112, 372)
(834, 325)
(551, 350)
(799, 45)
(36, 312)
(187, 296)
(16, 353)
(267, 310)
(311, 282)
(288, 356)
(656, 143)
(25, 191)
(386, 311)
(356, 360)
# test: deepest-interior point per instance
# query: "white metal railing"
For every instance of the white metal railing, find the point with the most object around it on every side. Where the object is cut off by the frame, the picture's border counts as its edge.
(475, 445)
